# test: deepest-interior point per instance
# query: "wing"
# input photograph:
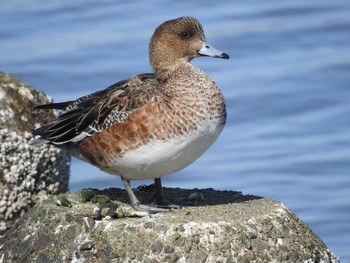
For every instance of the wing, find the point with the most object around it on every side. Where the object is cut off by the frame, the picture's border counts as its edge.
(95, 112)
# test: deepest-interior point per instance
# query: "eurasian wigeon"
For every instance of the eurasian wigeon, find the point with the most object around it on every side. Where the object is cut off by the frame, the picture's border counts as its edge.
(149, 125)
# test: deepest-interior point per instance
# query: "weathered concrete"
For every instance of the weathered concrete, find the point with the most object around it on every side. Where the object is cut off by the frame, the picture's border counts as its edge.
(26, 173)
(230, 228)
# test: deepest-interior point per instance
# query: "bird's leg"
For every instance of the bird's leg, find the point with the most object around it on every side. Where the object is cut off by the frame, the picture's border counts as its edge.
(133, 199)
(158, 199)
(135, 203)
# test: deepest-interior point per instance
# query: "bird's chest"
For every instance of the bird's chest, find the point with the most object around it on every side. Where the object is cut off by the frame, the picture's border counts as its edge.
(161, 157)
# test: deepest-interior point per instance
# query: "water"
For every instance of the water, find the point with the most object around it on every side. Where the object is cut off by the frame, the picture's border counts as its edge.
(286, 86)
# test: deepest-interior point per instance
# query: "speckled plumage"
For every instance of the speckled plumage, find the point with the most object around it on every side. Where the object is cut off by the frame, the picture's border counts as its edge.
(173, 113)
(151, 124)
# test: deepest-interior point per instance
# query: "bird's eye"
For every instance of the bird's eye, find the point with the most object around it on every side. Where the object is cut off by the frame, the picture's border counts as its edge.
(185, 34)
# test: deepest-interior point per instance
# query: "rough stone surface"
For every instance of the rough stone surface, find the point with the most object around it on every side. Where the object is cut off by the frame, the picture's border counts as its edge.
(17, 105)
(221, 226)
(26, 173)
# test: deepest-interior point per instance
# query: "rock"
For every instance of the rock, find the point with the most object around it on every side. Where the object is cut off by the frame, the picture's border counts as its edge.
(17, 105)
(27, 174)
(224, 227)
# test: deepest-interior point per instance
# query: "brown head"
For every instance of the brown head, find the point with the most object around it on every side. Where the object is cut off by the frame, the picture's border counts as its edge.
(179, 41)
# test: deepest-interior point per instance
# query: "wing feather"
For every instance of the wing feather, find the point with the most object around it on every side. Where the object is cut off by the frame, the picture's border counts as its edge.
(93, 113)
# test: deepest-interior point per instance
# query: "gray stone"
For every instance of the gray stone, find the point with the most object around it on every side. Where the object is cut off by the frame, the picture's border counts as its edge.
(27, 174)
(229, 227)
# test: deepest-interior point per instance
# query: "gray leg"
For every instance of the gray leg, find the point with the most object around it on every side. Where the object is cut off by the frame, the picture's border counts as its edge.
(133, 199)
(158, 189)
(135, 203)
(159, 199)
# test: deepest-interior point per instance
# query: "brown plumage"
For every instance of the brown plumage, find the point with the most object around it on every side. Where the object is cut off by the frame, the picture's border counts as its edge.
(178, 108)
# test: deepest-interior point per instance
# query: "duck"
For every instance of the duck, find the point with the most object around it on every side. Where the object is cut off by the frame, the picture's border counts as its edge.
(152, 124)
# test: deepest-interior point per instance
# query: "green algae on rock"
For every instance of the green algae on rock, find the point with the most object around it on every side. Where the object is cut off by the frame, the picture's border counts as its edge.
(87, 194)
(101, 199)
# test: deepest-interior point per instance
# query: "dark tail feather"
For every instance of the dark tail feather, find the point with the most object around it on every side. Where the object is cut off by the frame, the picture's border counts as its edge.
(42, 131)
(57, 106)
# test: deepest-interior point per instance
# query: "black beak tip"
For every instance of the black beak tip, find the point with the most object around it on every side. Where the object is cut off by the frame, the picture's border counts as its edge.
(224, 56)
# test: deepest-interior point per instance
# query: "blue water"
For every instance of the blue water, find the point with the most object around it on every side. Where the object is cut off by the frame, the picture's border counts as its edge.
(287, 88)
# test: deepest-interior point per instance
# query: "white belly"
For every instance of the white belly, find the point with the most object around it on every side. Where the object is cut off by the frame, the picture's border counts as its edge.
(159, 158)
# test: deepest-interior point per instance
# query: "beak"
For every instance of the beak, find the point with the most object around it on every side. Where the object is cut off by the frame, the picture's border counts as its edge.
(209, 51)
